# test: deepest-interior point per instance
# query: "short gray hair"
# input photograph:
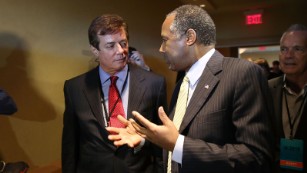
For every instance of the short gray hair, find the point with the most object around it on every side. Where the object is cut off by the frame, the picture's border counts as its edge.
(196, 18)
(297, 27)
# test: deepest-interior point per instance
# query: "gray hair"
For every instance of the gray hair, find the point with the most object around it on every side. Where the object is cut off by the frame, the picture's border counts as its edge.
(297, 27)
(196, 18)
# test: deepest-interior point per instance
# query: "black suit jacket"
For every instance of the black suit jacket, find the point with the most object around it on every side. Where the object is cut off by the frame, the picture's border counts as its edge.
(226, 125)
(85, 144)
(276, 87)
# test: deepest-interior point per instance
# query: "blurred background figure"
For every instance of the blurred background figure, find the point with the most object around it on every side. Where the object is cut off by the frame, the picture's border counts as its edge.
(135, 57)
(276, 68)
(265, 66)
(7, 104)
(8, 107)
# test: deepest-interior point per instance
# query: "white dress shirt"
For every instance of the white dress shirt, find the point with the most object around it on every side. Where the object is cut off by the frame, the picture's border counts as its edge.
(193, 74)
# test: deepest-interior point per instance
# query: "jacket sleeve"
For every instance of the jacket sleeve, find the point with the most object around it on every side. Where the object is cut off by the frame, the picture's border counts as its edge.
(69, 136)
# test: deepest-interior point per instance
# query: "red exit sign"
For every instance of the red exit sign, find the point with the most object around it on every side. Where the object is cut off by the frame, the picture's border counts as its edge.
(253, 19)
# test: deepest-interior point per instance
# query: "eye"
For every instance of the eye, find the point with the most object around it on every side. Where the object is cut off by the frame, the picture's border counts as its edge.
(110, 46)
(299, 49)
(283, 49)
(123, 44)
(164, 40)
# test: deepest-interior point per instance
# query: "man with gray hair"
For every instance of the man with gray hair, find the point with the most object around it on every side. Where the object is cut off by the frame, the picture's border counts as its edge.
(289, 96)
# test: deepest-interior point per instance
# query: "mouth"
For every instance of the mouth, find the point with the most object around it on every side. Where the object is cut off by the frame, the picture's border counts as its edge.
(121, 59)
(289, 63)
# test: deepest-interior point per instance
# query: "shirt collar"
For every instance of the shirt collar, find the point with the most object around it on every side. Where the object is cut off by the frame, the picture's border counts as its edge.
(303, 91)
(104, 76)
(198, 67)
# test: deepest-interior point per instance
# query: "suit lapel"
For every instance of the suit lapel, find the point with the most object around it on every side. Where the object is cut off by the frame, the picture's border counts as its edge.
(301, 129)
(92, 92)
(277, 96)
(136, 92)
(207, 83)
(171, 110)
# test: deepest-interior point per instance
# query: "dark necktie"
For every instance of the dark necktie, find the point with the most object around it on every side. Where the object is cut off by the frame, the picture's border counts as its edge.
(115, 104)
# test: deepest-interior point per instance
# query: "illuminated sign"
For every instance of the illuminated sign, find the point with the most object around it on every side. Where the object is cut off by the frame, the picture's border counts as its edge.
(253, 19)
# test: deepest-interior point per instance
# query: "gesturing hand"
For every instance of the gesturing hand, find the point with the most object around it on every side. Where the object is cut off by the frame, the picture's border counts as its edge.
(122, 136)
(164, 135)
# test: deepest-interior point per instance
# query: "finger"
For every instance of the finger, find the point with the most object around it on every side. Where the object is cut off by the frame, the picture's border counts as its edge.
(139, 130)
(122, 120)
(119, 143)
(162, 115)
(130, 129)
(133, 56)
(113, 130)
(130, 144)
(114, 137)
(146, 123)
(135, 125)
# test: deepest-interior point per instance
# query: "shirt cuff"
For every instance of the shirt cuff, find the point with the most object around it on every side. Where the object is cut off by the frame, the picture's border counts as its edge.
(139, 147)
(178, 150)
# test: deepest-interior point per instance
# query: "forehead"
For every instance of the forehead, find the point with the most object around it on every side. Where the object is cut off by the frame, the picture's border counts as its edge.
(294, 38)
(166, 31)
(114, 37)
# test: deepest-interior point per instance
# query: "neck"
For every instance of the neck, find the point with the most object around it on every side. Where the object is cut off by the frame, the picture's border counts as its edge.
(202, 50)
(296, 83)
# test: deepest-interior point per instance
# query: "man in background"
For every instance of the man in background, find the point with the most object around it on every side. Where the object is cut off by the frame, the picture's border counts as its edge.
(266, 68)
(289, 96)
(135, 57)
(276, 68)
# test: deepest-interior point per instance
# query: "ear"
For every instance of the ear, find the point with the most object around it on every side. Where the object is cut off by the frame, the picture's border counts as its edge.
(94, 51)
(191, 36)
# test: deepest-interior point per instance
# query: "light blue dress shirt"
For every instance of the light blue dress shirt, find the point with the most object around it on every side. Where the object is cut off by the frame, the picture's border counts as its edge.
(122, 86)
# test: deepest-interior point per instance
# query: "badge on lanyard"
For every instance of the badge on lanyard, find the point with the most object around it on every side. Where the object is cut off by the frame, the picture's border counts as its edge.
(291, 154)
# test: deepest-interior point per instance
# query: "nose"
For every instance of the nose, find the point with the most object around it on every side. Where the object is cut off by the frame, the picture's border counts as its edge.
(119, 48)
(289, 52)
(161, 49)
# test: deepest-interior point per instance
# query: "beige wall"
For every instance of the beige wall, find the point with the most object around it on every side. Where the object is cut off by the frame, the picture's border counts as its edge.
(43, 43)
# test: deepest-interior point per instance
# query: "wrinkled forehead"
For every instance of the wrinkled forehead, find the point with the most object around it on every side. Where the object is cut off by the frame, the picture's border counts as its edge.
(298, 38)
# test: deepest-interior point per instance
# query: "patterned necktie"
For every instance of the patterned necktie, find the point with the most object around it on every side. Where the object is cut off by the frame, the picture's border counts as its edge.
(115, 104)
(181, 106)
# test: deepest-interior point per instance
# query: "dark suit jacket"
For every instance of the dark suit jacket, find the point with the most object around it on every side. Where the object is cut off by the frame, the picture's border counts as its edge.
(7, 104)
(227, 124)
(276, 87)
(85, 144)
